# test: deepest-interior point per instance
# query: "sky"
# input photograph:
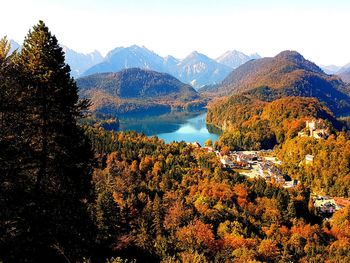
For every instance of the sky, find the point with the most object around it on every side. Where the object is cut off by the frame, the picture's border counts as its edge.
(318, 29)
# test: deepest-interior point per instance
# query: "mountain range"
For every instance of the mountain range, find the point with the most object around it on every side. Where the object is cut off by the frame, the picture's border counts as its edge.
(137, 90)
(196, 69)
(287, 74)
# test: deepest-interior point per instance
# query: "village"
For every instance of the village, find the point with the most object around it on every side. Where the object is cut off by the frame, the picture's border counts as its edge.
(263, 164)
(255, 164)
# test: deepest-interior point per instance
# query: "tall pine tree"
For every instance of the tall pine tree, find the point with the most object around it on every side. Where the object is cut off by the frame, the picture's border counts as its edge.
(52, 220)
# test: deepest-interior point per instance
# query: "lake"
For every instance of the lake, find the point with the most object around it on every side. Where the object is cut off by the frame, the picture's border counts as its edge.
(172, 127)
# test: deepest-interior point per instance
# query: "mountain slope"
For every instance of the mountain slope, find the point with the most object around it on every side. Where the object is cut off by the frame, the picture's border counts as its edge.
(80, 62)
(130, 57)
(199, 70)
(137, 90)
(287, 74)
(234, 58)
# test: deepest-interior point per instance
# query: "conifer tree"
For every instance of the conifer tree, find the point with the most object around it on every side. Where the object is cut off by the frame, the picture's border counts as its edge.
(55, 223)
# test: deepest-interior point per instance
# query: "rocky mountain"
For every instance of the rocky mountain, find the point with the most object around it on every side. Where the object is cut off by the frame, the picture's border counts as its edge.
(80, 62)
(137, 91)
(287, 74)
(170, 65)
(130, 57)
(199, 70)
(234, 58)
(196, 69)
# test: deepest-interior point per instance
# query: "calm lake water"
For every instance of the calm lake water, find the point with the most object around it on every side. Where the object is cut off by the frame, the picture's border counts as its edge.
(172, 127)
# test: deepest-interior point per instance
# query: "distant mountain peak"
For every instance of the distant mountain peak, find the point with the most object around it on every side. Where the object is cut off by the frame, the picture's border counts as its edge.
(254, 56)
(234, 58)
(170, 57)
(195, 54)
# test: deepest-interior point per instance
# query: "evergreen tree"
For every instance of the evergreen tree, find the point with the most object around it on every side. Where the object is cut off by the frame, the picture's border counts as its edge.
(52, 201)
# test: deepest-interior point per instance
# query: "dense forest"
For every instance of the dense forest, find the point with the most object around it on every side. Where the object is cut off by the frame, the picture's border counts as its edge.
(330, 170)
(74, 192)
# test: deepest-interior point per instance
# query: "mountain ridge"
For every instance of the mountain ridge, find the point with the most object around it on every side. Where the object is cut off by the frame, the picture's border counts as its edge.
(195, 69)
(286, 74)
(137, 90)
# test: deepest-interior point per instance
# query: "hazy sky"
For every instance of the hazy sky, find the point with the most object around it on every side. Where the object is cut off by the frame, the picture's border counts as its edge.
(319, 29)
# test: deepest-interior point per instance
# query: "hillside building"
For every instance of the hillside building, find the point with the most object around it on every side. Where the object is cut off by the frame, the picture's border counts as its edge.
(316, 129)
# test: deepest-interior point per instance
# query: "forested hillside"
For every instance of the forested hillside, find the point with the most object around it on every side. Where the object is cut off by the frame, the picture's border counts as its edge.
(287, 74)
(137, 90)
(174, 203)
